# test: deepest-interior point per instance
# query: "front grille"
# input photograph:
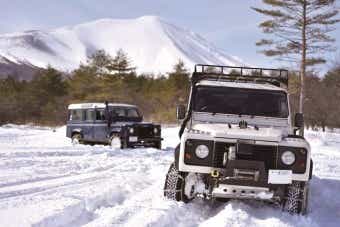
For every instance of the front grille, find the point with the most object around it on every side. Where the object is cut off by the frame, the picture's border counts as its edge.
(267, 154)
(145, 131)
(251, 152)
(220, 149)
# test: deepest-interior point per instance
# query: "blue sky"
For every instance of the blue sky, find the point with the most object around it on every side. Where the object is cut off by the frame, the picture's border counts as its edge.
(230, 25)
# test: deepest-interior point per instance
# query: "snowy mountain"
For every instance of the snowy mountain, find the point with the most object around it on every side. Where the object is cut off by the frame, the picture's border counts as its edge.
(152, 44)
(20, 71)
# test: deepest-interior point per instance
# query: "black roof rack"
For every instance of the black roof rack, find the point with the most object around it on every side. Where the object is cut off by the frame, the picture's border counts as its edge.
(277, 77)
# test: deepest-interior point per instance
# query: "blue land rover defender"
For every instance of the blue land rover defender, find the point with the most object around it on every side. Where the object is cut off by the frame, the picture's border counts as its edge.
(119, 125)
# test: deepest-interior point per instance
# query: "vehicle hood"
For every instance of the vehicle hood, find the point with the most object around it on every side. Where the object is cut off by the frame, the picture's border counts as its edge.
(235, 132)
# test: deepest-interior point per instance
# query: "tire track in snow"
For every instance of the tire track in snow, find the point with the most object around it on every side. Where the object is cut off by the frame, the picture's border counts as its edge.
(148, 207)
(105, 187)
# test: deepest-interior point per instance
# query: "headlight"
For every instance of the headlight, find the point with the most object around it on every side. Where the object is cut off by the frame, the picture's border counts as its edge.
(202, 151)
(288, 158)
(131, 130)
(155, 130)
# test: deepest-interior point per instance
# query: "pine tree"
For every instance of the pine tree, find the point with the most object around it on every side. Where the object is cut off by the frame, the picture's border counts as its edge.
(100, 62)
(331, 82)
(121, 63)
(301, 30)
(179, 81)
(47, 91)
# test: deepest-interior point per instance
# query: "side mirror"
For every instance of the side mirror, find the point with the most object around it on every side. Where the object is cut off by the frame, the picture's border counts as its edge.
(180, 112)
(299, 122)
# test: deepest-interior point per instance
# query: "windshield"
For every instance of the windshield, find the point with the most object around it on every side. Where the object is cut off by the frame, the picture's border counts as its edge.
(241, 101)
(124, 113)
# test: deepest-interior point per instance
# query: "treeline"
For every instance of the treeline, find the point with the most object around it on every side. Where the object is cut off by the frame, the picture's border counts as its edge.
(322, 98)
(44, 99)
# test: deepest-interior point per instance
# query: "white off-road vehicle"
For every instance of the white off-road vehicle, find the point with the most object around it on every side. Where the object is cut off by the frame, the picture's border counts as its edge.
(238, 140)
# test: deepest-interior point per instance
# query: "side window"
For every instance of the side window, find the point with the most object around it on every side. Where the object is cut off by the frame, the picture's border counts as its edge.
(76, 115)
(284, 107)
(100, 114)
(90, 116)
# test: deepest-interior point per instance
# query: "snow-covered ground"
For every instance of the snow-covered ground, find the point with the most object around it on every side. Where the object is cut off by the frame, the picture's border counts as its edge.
(45, 181)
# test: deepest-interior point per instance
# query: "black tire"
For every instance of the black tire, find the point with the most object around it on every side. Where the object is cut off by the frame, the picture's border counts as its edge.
(174, 185)
(76, 139)
(124, 144)
(158, 145)
(116, 142)
(297, 196)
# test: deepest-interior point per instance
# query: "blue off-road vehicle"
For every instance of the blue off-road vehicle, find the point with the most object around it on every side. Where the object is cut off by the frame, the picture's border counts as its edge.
(119, 125)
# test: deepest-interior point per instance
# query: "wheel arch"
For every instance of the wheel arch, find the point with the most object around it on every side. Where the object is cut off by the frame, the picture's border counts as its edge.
(176, 154)
(114, 132)
(77, 131)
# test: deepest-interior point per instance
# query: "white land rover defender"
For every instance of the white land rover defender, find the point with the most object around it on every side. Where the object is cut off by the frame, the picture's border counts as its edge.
(238, 140)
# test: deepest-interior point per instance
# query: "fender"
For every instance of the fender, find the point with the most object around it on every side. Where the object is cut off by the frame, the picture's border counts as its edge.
(311, 169)
(77, 130)
(176, 153)
(115, 131)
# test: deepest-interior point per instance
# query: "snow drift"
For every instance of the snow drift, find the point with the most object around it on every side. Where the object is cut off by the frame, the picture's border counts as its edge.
(45, 181)
(153, 45)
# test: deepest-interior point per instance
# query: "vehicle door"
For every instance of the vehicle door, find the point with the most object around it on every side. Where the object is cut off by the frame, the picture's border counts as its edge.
(119, 118)
(100, 126)
(75, 120)
(88, 125)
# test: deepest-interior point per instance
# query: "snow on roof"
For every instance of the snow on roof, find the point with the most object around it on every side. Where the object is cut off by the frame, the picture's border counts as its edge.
(96, 105)
(240, 85)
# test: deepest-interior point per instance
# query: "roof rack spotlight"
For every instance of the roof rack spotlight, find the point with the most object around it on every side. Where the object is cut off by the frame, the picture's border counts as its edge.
(277, 77)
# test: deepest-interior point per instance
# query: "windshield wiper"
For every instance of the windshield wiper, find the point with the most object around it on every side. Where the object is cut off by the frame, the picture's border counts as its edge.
(203, 108)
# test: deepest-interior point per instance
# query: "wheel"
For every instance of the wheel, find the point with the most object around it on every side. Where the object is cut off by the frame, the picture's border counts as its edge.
(124, 144)
(174, 186)
(297, 198)
(76, 139)
(158, 145)
(115, 142)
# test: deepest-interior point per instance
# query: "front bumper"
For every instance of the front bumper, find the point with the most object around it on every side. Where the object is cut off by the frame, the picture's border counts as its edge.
(243, 179)
(144, 142)
(242, 192)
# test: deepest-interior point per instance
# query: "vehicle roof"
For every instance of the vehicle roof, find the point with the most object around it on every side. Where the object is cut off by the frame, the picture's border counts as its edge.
(248, 85)
(96, 105)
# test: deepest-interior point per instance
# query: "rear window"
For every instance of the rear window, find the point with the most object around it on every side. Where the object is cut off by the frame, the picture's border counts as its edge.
(76, 115)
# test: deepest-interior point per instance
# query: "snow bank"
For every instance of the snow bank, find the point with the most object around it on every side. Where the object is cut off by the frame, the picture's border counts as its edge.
(45, 181)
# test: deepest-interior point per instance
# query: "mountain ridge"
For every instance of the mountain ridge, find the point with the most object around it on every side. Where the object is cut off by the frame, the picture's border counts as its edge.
(153, 44)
